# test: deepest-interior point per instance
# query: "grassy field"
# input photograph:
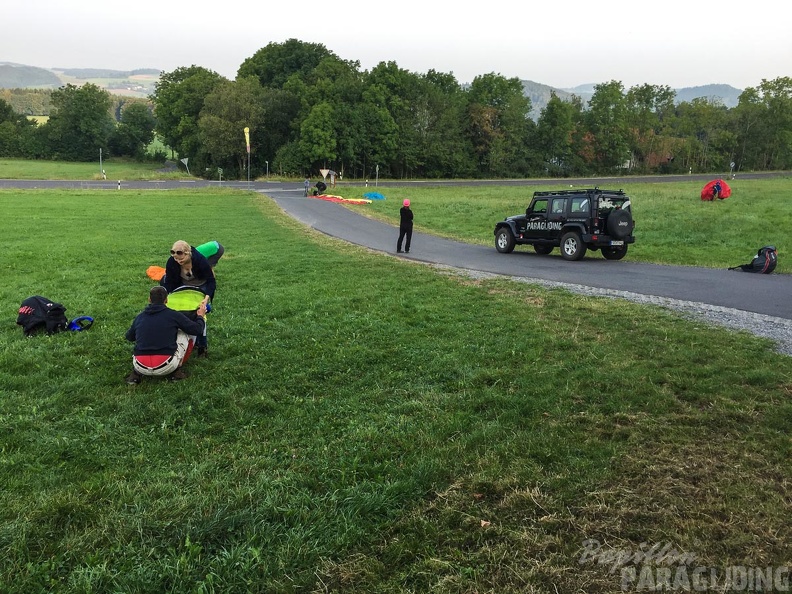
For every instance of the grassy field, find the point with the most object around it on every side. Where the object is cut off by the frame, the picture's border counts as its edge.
(363, 423)
(673, 225)
(60, 170)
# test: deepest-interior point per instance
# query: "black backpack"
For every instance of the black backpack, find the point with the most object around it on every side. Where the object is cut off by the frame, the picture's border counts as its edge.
(764, 261)
(39, 313)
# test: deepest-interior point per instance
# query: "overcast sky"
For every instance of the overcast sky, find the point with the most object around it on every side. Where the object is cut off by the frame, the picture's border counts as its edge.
(558, 43)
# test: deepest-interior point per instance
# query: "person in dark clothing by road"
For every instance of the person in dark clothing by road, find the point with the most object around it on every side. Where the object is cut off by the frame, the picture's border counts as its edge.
(163, 338)
(405, 228)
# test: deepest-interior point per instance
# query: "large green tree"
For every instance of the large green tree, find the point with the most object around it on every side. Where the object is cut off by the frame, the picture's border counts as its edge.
(81, 123)
(773, 98)
(178, 99)
(608, 127)
(499, 124)
(16, 132)
(440, 117)
(230, 108)
(134, 132)
(337, 85)
(274, 64)
(554, 136)
(701, 123)
(650, 109)
(400, 93)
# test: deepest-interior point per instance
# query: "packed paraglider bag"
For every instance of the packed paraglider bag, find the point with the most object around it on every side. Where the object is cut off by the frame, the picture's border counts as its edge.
(320, 188)
(39, 313)
(764, 262)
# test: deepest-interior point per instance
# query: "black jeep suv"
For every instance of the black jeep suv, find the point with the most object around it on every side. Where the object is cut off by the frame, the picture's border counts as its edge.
(575, 220)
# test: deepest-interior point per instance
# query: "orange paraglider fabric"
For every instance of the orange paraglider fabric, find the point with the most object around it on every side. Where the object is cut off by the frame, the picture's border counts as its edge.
(155, 272)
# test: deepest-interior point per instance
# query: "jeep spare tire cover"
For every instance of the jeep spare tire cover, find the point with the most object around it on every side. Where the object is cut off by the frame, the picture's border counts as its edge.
(619, 223)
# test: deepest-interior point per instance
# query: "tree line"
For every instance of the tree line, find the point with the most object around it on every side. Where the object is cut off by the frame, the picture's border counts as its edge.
(308, 109)
(82, 120)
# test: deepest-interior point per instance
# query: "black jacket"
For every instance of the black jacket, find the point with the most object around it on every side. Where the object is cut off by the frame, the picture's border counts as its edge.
(154, 330)
(201, 269)
(406, 221)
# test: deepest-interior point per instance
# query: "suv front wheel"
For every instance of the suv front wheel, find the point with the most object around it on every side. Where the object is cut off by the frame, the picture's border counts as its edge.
(572, 247)
(504, 241)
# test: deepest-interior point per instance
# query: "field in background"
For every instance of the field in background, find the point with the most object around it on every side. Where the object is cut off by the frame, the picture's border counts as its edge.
(60, 170)
(140, 85)
(363, 423)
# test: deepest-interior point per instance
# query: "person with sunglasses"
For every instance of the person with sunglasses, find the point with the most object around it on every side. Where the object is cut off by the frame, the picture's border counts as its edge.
(188, 267)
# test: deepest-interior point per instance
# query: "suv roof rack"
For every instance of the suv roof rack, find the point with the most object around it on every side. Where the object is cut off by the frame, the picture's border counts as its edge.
(579, 191)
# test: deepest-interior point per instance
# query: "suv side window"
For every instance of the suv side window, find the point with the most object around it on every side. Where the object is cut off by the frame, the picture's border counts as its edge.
(558, 205)
(580, 205)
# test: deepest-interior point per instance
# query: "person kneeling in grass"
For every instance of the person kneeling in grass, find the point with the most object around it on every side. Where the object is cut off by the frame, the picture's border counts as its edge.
(163, 338)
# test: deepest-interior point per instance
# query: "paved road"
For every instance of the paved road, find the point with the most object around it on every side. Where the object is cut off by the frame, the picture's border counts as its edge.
(765, 294)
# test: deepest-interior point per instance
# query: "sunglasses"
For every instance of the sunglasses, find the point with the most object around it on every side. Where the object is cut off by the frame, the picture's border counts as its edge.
(177, 253)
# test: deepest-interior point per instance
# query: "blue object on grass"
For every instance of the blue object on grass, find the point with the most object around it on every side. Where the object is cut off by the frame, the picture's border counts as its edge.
(373, 196)
(81, 323)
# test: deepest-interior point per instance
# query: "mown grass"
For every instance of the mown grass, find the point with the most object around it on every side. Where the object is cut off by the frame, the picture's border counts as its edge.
(115, 169)
(673, 225)
(363, 424)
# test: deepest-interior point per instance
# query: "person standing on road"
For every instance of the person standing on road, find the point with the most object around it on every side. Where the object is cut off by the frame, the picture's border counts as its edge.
(307, 184)
(405, 227)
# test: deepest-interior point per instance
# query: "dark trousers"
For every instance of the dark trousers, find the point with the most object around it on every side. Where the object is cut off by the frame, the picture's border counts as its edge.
(404, 232)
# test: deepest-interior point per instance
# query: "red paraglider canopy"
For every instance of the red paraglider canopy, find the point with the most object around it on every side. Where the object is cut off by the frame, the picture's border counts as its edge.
(717, 188)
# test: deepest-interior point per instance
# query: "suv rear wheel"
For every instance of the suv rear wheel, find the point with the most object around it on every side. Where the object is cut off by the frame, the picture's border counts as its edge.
(614, 253)
(504, 241)
(572, 247)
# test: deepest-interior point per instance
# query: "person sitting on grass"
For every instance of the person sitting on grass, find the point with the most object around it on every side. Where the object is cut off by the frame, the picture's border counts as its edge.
(189, 267)
(163, 338)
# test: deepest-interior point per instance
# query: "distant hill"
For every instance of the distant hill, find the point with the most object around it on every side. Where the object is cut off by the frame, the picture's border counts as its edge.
(103, 73)
(728, 95)
(132, 83)
(540, 94)
(18, 76)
